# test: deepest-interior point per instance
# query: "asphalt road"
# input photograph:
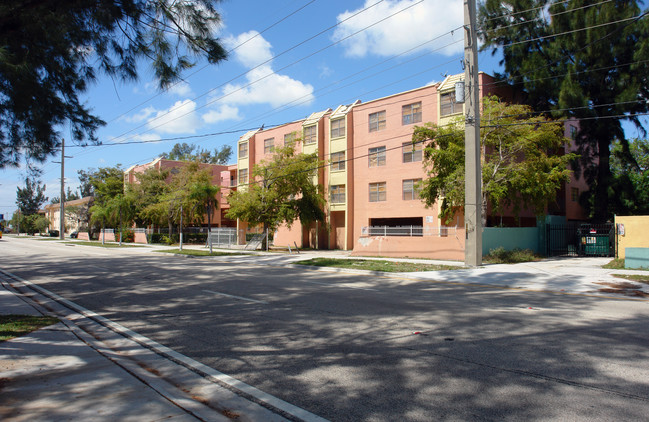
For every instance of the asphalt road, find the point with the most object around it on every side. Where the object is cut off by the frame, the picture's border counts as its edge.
(342, 345)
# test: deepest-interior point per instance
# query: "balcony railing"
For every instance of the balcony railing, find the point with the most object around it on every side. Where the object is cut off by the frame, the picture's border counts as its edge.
(407, 231)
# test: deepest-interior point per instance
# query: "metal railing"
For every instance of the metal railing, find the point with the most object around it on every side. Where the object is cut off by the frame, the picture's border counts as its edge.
(223, 236)
(407, 231)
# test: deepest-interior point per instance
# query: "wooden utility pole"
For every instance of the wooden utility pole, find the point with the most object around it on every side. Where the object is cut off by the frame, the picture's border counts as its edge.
(473, 171)
(62, 203)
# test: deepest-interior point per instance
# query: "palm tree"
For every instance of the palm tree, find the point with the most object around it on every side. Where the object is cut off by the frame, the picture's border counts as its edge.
(100, 214)
(122, 208)
(203, 194)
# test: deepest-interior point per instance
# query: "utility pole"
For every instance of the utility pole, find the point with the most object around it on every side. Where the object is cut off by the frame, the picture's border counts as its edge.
(473, 170)
(62, 203)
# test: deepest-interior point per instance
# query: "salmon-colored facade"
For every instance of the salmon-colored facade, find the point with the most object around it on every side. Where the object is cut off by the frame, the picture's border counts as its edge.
(223, 176)
(372, 174)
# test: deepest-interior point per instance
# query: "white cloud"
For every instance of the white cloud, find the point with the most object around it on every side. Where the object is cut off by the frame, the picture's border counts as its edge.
(403, 31)
(263, 86)
(251, 49)
(179, 118)
(181, 89)
(224, 112)
(141, 115)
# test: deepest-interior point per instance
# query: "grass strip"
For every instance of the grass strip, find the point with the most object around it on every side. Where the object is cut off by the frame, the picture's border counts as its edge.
(12, 326)
(195, 252)
(618, 264)
(105, 245)
(639, 278)
(375, 265)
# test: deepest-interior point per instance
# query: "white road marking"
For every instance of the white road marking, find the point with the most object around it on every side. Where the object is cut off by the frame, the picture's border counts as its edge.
(199, 368)
(236, 297)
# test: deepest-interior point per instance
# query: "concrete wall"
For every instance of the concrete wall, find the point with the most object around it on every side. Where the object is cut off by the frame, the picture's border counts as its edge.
(510, 238)
(635, 233)
(636, 258)
(449, 247)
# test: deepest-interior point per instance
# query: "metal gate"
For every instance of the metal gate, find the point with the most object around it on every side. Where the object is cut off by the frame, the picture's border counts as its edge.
(574, 239)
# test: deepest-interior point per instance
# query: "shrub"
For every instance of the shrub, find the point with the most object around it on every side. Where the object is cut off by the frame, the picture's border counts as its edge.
(501, 256)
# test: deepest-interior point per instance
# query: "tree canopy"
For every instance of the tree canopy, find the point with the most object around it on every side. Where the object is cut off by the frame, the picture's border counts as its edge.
(581, 59)
(191, 152)
(281, 190)
(51, 50)
(31, 197)
(630, 177)
(523, 164)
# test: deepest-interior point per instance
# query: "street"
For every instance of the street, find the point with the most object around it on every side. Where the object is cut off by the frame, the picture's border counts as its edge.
(358, 347)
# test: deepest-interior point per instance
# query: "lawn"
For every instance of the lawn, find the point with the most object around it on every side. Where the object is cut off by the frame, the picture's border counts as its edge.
(105, 245)
(18, 325)
(639, 278)
(375, 265)
(195, 252)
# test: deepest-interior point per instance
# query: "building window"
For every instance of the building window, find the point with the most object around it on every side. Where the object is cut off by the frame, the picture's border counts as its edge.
(338, 128)
(243, 149)
(289, 139)
(269, 145)
(338, 161)
(411, 152)
(376, 157)
(377, 121)
(410, 189)
(448, 104)
(411, 113)
(310, 135)
(243, 176)
(573, 132)
(377, 192)
(574, 194)
(337, 195)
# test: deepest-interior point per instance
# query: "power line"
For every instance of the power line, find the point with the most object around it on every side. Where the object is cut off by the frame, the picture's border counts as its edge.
(283, 68)
(207, 65)
(260, 65)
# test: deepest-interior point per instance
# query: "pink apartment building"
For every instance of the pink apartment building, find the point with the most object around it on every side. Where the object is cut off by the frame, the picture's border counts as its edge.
(371, 180)
(223, 176)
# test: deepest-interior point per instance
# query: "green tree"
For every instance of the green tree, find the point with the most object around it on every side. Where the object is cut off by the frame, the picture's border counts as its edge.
(149, 190)
(191, 152)
(85, 184)
(52, 50)
(31, 197)
(630, 171)
(121, 210)
(203, 194)
(100, 214)
(281, 191)
(582, 58)
(523, 165)
(175, 205)
(69, 196)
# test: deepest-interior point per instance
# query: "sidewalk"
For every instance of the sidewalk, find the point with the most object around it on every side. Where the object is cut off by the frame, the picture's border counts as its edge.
(62, 373)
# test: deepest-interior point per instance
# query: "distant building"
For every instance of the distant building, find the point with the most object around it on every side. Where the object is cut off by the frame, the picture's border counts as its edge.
(72, 220)
(224, 176)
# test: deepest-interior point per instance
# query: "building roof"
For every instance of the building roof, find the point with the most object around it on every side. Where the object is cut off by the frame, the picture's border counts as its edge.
(75, 202)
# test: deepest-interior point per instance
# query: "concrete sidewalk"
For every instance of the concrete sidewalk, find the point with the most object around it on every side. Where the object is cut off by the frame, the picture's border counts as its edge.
(63, 373)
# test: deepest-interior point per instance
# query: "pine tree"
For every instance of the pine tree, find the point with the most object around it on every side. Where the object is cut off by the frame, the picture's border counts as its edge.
(51, 50)
(583, 59)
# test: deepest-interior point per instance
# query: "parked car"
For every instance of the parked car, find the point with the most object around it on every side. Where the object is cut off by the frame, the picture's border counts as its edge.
(74, 235)
(54, 233)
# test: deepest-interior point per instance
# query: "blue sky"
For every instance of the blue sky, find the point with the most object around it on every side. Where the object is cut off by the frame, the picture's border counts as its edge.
(280, 75)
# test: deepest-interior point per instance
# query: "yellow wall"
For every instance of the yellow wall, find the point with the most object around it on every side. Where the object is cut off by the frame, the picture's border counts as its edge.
(635, 233)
